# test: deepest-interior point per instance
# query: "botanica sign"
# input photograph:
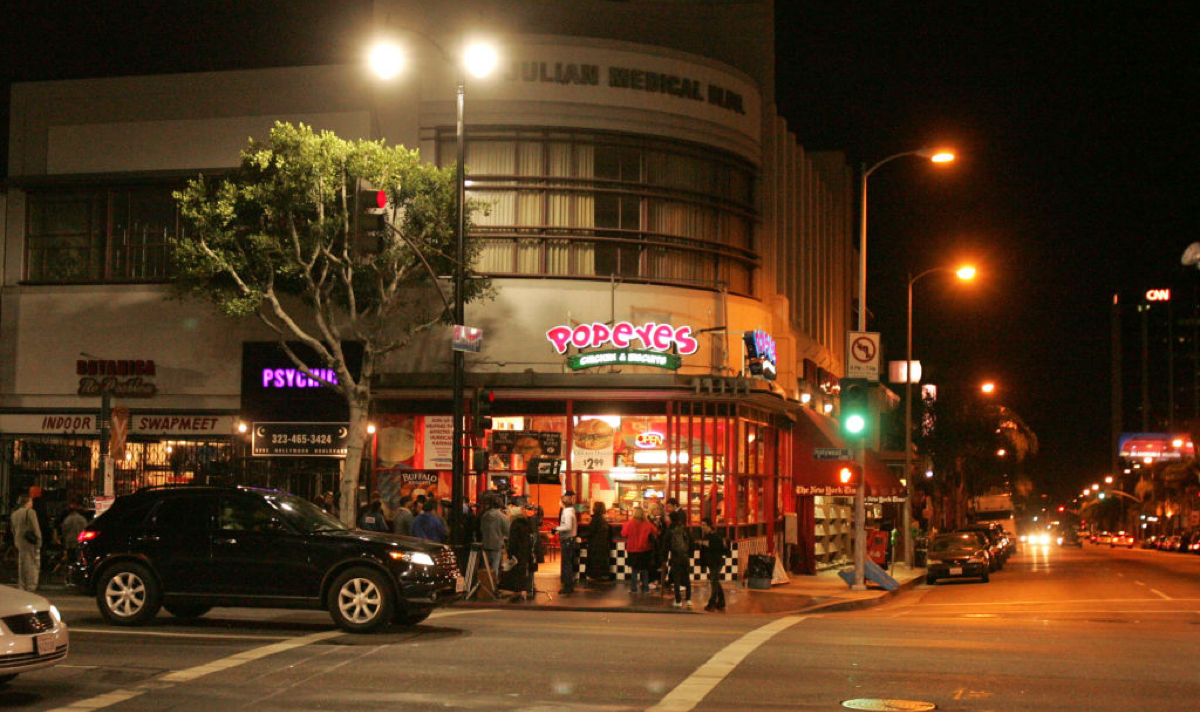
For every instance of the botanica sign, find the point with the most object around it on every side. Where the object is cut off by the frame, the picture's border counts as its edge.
(653, 336)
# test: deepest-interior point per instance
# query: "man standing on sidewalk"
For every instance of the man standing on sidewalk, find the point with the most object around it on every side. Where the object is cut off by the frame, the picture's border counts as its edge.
(493, 528)
(567, 530)
(27, 536)
(712, 555)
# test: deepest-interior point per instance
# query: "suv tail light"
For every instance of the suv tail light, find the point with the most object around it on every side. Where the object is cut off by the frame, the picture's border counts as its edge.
(86, 535)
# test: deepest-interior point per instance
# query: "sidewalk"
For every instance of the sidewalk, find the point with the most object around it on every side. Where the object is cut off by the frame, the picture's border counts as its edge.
(825, 592)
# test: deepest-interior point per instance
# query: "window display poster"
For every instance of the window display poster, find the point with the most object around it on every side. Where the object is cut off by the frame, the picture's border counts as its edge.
(394, 484)
(593, 440)
(439, 442)
(400, 441)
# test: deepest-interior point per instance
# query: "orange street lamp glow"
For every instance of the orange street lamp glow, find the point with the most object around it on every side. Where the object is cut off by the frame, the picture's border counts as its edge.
(1108, 480)
(942, 157)
(966, 272)
(1096, 487)
(988, 387)
(1001, 452)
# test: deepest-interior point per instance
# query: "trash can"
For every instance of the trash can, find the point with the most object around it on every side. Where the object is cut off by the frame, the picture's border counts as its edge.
(920, 551)
(760, 569)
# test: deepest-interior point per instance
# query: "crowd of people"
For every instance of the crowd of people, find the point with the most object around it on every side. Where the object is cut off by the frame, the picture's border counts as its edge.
(658, 540)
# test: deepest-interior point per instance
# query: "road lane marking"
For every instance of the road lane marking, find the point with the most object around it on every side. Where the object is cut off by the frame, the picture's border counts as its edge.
(176, 634)
(1139, 583)
(696, 687)
(106, 700)
(1160, 593)
(246, 656)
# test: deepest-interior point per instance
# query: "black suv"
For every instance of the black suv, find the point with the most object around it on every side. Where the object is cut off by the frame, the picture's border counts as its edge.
(189, 548)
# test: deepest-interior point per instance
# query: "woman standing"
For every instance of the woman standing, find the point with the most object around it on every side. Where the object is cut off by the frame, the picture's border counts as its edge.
(599, 545)
(658, 544)
(520, 547)
(638, 533)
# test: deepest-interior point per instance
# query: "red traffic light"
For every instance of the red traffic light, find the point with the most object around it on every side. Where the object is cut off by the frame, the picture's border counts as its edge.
(1061, 508)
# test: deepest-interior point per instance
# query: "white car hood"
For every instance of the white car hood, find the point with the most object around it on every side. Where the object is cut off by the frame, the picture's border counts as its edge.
(14, 601)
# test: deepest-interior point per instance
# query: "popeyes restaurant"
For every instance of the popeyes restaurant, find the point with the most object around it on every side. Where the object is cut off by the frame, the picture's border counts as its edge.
(620, 426)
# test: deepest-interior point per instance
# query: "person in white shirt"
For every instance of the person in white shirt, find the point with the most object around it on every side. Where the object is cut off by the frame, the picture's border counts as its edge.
(567, 530)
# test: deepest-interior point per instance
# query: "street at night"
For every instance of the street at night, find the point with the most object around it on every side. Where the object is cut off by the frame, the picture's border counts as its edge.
(1093, 628)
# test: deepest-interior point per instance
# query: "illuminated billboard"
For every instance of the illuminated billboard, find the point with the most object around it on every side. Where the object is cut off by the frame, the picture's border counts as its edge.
(1154, 447)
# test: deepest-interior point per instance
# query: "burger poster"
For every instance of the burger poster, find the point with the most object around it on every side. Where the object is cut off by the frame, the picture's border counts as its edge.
(592, 443)
(414, 442)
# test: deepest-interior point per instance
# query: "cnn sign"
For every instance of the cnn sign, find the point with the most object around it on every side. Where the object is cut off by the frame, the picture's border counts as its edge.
(1158, 295)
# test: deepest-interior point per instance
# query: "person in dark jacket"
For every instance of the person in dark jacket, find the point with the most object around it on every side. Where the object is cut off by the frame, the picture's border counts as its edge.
(658, 563)
(679, 542)
(428, 525)
(599, 545)
(712, 556)
(520, 547)
(372, 519)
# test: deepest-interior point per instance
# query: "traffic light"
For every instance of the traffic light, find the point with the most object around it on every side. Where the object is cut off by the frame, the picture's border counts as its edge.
(1061, 508)
(370, 219)
(481, 412)
(855, 410)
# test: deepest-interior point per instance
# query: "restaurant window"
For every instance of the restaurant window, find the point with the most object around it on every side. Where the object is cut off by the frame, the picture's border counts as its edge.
(101, 234)
(583, 204)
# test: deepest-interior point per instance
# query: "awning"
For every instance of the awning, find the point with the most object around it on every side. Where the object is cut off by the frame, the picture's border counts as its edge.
(820, 477)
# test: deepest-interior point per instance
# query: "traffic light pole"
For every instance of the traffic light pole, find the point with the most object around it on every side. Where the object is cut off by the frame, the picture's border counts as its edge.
(860, 522)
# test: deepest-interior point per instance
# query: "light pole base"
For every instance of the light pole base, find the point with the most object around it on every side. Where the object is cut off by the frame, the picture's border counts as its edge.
(858, 587)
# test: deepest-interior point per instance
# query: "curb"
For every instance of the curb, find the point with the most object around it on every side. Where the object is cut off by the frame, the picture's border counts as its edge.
(861, 603)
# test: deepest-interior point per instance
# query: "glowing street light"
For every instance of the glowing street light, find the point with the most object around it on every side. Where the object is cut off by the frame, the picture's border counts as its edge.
(860, 512)
(478, 59)
(988, 388)
(1108, 480)
(965, 273)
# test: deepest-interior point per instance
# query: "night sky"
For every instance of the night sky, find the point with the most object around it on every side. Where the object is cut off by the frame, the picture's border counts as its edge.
(1078, 160)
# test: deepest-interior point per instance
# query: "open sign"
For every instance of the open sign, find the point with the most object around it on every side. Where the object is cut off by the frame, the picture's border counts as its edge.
(649, 440)
(1158, 295)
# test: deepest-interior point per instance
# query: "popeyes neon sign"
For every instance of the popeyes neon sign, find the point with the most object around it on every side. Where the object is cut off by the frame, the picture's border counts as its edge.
(623, 335)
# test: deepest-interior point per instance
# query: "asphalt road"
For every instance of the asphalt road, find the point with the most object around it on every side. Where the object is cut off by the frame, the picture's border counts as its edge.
(1091, 629)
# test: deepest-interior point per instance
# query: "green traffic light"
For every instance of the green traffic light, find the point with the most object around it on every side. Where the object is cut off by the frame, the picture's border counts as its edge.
(855, 423)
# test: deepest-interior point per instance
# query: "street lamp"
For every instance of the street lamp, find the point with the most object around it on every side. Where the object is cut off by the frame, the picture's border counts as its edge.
(479, 59)
(860, 498)
(988, 388)
(964, 273)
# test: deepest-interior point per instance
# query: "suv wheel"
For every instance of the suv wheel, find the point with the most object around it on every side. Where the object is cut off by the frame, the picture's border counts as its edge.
(361, 601)
(128, 594)
(187, 610)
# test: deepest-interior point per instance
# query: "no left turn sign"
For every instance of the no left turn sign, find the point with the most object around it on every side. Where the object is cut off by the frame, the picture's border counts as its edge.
(863, 355)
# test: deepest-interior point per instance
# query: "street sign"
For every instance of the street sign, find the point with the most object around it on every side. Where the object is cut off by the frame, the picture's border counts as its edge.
(831, 453)
(863, 358)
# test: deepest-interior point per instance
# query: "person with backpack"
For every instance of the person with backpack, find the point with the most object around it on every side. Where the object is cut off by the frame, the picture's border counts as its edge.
(680, 542)
(712, 555)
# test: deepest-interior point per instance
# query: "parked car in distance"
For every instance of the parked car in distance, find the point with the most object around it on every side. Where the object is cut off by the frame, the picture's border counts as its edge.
(1174, 542)
(1151, 542)
(1121, 539)
(1103, 538)
(190, 548)
(997, 551)
(33, 634)
(958, 555)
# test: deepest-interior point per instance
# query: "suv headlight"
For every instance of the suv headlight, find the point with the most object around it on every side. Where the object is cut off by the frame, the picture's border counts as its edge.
(419, 558)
